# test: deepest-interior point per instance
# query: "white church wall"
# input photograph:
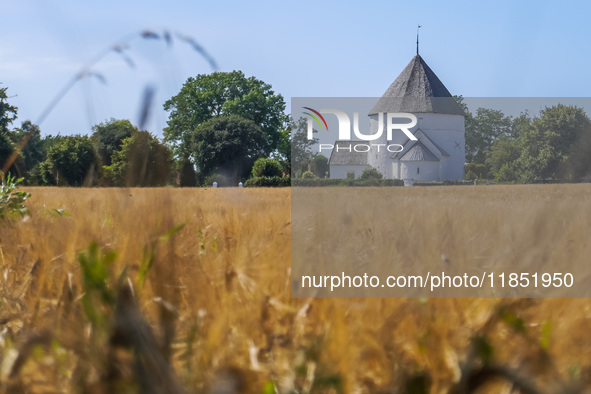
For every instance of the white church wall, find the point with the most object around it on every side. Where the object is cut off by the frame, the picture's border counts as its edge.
(396, 169)
(341, 171)
(378, 159)
(447, 131)
(443, 129)
(419, 170)
(382, 159)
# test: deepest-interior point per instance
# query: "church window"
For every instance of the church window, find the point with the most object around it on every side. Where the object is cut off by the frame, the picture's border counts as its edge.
(418, 170)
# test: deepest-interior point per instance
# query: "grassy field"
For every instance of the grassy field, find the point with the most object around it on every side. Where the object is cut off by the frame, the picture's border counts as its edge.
(188, 290)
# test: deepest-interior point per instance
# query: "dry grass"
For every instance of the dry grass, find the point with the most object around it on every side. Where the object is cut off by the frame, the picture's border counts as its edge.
(217, 301)
(473, 230)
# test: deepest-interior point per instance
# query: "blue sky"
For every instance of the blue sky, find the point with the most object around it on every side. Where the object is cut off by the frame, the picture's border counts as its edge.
(305, 48)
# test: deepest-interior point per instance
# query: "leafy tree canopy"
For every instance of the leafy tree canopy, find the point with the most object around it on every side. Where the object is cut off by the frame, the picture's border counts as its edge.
(228, 145)
(6, 149)
(108, 137)
(557, 145)
(28, 129)
(319, 165)
(554, 146)
(503, 153)
(8, 112)
(295, 147)
(481, 131)
(223, 93)
(70, 161)
(33, 152)
(142, 161)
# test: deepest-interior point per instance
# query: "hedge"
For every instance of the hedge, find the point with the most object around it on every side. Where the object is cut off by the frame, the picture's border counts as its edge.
(266, 181)
(277, 181)
(345, 182)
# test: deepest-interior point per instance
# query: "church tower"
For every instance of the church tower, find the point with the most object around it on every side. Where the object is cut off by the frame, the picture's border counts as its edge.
(439, 152)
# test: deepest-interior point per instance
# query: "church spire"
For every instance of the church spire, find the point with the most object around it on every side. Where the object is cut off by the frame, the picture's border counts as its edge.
(418, 27)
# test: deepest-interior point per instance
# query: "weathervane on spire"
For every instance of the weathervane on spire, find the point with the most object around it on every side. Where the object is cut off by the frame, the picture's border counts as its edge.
(418, 27)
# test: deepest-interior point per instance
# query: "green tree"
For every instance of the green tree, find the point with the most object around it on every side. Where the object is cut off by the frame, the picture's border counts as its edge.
(520, 125)
(223, 93)
(509, 173)
(6, 149)
(504, 154)
(8, 114)
(460, 100)
(482, 130)
(50, 140)
(33, 151)
(142, 161)
(228, 145)
(319, 165)
(186, 171)
(108, 137)
(557, 145)
(295, 148)
(266, 167)
(71, 161)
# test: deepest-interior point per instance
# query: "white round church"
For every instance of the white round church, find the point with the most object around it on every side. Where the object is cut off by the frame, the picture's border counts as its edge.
(438, 154)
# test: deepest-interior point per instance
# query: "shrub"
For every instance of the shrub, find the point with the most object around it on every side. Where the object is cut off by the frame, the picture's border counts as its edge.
(391, 182)
(368, 182)
(267, 168)
(371, 173)
(308, 175)
(11, 201)
(446, 183)
(475, 171)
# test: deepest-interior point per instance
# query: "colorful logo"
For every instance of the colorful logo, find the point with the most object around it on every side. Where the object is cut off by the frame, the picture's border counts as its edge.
(315, 118)
(386, 121)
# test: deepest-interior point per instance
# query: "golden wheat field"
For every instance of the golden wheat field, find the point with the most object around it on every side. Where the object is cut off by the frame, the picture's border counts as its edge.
(188, 290)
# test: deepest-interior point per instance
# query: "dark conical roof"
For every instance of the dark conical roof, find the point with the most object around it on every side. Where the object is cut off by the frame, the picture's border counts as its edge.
(417, 89)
